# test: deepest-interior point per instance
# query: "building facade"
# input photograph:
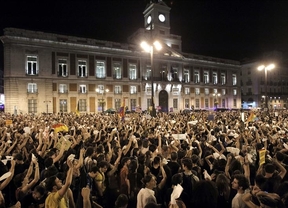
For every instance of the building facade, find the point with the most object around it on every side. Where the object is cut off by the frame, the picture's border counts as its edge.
(254, 84)
(52, 73)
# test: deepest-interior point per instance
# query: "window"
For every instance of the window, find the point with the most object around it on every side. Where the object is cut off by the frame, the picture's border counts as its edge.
(133, 104)
(63, 105)
(117, 89)
(174, 73)
(63, 88)
(215, 78)
(223, 78)
(117, 70)
(148, 90)
(117, 104)
(148, 72)
(197, 103)
(133, 90)
(223, 91)
(100, 69)
(149, 104)
(197, 91)
(234, 103)
(215, 91)
(186, 76)
(132, 71)
(223, 103)
(234, 79)
(206, 103)
(175, 103)
(82, 89)
(206, 91)
(187, 90)
(196, 77)
(32, 88)
(32, 65)
(32, 106)
(234, 92)
(187, 103)
(175, 91)
(206, 77)
(62, 68)
(82, 68)
(82, 105)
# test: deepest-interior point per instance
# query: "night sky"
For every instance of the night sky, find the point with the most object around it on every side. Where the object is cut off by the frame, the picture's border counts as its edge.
(225, 29)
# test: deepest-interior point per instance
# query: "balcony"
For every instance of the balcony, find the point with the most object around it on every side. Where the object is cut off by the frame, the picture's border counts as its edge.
(82, 92)
(63, 91)
(34, 91)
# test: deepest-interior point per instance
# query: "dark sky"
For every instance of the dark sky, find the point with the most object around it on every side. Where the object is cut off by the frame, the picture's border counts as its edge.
(226, 29)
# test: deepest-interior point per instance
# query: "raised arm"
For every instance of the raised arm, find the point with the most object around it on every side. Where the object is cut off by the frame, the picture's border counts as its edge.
(68, 180)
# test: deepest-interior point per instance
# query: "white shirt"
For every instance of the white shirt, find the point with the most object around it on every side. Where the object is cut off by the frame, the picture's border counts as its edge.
(145, 196)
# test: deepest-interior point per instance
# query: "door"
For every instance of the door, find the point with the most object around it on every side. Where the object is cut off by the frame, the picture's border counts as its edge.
(163, 100)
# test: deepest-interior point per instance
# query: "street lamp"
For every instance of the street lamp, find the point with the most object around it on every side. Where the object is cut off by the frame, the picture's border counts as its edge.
(216, 95)
(266, 68)
(101, 91)
(150, 48)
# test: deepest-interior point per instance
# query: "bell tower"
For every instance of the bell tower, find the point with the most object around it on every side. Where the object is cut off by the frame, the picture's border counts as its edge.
(157, 18)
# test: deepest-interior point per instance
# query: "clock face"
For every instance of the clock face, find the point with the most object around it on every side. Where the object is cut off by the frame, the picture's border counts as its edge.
(161, 17)
(149, 19)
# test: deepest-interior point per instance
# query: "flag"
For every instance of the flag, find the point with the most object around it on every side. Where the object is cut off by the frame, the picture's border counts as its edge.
(59, 127)
(262, 154)
(122, 110)
(252, 117)
(77, 109)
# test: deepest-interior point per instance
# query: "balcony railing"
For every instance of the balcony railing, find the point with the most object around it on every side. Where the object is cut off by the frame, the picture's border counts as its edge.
(34, 91)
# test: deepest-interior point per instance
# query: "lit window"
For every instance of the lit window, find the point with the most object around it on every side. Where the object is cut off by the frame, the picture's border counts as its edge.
(63, 105)
(82, 68)
(206, 91)
(187, 103)
(32, 106)
(206, 77)
(175, 103)
(117, 70)
(133, 89)
(223, 91)
(62, 68)
(117, 104)
(234, 92)
(206, 103)
(197, 91)
(148, 72)
(133, 104)
(32, 65)
(82, 89)
(63, 88)
(215, 78)
(186, 76)
(223, 78)
(117, 89)
(196, 77)
(32, 88)
(82, 105)
(175, 91)
(100, 69)
(234, 79)
(187, 90)
(197, 103)
(132, 71)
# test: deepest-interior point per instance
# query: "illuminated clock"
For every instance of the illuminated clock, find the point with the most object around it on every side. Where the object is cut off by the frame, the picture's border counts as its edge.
(161, 17)
(149, 19)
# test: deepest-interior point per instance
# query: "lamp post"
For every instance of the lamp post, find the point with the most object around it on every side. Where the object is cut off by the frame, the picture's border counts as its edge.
(216, 95)
(266, 68)
(102, 99)
(150, 49)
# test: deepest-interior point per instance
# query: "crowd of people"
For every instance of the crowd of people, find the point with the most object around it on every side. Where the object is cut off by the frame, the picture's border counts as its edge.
(197, 159)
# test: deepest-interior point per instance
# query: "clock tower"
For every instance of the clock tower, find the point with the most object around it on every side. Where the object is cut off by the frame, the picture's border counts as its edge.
(157, 18)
